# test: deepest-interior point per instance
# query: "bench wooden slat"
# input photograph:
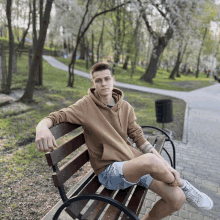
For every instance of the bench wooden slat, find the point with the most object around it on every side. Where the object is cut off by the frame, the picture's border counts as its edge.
(97, 207)
(64, 150)
(136, 200)
(160, 142)
(152, 139)
(75, 208)
(62, 129)
(67, 170)
(113, 213)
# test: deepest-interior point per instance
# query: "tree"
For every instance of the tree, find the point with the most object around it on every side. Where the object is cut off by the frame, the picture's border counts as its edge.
(179, 59)
(15, 11)
(28, 94)
(25, 32)
(174, 13)
(80, 34)
(200, 51)
(100, 39)
(129, 38)
(6, 86)
(210, 13)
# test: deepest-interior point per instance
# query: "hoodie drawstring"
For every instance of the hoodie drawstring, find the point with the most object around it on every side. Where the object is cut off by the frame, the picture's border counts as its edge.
(119, 117)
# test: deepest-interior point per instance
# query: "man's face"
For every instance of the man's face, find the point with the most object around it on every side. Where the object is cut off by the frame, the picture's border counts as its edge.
(103, 82)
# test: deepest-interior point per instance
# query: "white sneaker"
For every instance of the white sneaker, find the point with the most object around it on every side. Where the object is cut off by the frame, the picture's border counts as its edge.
(196, 198)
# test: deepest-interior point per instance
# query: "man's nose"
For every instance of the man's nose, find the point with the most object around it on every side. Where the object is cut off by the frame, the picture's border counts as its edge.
(103, 82)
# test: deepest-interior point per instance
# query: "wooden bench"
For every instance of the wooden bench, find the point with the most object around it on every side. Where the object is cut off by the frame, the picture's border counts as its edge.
(86, 189)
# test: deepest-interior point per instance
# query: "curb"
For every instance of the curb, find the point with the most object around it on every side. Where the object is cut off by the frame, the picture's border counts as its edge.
(185, 126)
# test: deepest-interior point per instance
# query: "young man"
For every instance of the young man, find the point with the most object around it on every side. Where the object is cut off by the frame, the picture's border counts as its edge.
(107, 120)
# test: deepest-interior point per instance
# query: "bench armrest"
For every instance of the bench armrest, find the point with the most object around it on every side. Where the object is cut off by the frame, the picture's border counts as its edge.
(149, 126)
(173, 164)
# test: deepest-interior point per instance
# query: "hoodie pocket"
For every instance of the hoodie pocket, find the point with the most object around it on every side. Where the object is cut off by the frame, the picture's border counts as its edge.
(108, 152)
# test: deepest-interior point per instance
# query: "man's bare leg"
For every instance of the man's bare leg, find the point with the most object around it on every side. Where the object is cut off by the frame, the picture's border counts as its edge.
(172, 197)
(172, 200)
(134, 169)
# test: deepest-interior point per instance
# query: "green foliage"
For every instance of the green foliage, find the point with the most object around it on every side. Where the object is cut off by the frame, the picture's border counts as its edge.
(210, 12)
(4, 41)
(208, 44)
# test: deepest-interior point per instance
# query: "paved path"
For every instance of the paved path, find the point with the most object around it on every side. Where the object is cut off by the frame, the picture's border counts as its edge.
(198, 155)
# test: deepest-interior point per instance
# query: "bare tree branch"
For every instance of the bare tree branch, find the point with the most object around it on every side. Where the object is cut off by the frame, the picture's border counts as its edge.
(150, 29)
(160, 11)
(103, 12)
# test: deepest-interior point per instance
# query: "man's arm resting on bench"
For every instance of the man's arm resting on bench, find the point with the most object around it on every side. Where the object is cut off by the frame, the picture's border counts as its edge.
(44, 139)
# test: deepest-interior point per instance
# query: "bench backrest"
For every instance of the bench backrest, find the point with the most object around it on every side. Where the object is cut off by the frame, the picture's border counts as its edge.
(62, 174)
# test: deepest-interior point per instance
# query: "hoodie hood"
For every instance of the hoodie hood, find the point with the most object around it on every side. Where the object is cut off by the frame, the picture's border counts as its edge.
(117, 94)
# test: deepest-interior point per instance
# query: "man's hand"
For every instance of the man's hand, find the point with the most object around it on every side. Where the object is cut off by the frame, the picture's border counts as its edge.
(176, 175)
(45, 140)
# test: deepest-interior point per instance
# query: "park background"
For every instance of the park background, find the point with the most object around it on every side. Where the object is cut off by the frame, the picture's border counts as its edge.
(158, 44)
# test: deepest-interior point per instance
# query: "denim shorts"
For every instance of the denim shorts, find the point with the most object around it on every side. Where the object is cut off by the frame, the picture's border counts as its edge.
(113, 178)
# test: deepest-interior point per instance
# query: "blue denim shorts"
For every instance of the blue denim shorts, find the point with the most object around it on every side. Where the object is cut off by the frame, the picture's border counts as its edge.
(113, 178)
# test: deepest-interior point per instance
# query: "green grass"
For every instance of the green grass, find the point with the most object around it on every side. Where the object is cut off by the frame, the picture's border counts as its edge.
(161, 81)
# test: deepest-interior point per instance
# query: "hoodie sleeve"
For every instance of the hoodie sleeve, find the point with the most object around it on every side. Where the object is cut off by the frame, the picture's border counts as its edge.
(75, 114)
(134, 130)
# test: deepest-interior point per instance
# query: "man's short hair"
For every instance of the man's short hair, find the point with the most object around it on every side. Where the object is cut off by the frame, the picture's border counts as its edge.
(99, 67)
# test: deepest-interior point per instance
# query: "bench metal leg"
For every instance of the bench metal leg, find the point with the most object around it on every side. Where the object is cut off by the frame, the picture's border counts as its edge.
(102, 198)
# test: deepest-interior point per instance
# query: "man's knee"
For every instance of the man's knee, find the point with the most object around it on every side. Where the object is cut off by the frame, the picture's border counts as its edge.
(178, 201)
(154, 163)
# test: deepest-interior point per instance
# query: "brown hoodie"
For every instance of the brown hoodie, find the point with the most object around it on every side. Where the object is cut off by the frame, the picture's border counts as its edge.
(105, 129)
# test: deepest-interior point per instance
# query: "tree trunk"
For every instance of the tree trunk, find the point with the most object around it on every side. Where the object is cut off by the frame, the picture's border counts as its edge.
(3, 70)
(100, 39)
(200, 50)
(125, 66)
(87, 54)
(178, 62)
(82, 49)
(71, 69)
(7, 87)
(68, 45)
(148, 51)
(117, 34)
(34, 36)
(21, 43)
(132, 68)
(40, 72)
(29, 91)
(151, 69)
(184, 69)
(176, 67)
(92, 57)
(136, 44)
(14, 65)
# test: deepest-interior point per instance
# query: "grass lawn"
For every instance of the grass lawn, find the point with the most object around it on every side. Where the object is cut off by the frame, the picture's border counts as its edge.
(25, 177)
(162, 81)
